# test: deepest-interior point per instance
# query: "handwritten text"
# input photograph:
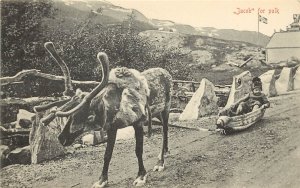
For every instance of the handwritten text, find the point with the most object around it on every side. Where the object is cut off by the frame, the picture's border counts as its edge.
(249, 10)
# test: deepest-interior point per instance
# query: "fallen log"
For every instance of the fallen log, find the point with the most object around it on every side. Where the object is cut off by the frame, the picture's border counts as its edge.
(27, 101)
(33, 72)
(11, 106)
(14, 137)
(8, 133)
(32, 83)
(18, 77)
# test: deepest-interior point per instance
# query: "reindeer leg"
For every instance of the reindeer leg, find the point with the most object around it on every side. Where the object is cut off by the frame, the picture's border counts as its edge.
(139, 137)
(165, 132)
(161, 158)
(111, 139)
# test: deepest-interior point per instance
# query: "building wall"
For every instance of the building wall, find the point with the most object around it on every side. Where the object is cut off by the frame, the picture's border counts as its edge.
(282, 54)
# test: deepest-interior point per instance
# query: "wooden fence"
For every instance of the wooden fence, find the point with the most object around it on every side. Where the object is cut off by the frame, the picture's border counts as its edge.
(184, 90)
(38, 87)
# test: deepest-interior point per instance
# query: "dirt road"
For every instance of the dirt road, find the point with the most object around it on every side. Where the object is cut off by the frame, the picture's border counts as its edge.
(266, 155)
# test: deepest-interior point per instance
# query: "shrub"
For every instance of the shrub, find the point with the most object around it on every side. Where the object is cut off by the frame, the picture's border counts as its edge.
(21, 31)
(26, 27)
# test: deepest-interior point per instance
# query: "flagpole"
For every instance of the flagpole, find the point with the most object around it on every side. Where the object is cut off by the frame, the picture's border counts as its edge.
(258, 28)
(258, 20)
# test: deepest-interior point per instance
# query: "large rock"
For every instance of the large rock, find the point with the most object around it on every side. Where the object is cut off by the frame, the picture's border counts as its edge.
(24, 119)
(44, 140)
(20, 156)
(97, 137)
(94, 138)
(125, 133)
(203, 102)
(297, 79)
(4, 151)
(241, 85)
(268, 83)
(285, 81)
(88, 139)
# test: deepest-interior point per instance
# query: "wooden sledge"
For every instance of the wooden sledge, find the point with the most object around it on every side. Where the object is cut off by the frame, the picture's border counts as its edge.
(237, 123)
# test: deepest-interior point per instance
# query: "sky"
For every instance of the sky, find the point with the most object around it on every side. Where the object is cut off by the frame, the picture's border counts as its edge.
(221, 14)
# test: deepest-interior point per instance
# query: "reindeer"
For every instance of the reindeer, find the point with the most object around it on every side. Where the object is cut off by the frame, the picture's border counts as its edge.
(111, 106)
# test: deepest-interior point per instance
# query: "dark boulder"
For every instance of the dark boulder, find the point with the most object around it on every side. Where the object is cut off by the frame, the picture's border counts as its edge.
(20, 156)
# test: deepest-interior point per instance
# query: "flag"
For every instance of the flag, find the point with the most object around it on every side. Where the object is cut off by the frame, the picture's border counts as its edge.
(262, 19)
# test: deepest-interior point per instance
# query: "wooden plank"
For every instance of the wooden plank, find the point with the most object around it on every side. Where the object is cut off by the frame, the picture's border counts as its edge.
(9, 133)
(247, 61)
(27, 101)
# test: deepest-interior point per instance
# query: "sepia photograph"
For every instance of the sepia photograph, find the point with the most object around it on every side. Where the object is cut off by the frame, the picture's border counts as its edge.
(150, 93)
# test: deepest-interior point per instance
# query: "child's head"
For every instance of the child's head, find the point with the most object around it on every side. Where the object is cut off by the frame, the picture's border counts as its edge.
(256, 86)
(256, 90)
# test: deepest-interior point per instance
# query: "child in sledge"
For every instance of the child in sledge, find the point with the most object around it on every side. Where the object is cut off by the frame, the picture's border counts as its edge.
(252, 101)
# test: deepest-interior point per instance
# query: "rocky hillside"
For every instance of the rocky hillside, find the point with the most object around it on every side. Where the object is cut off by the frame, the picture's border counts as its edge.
(111, 14)
(207, 57)
(203, 51)
(205, 48)
(104, 8)
(72, 12)
(225, 34)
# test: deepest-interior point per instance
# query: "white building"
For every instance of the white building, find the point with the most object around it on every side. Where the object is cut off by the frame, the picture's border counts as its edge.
(282, 46)
(285, 44)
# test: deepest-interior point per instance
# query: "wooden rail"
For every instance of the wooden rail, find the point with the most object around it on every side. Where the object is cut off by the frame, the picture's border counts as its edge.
(9, 133)
(186, 89)
(20, 75)
(195, 85)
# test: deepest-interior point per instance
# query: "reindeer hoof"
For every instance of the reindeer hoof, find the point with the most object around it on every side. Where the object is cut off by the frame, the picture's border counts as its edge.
(99, 184)
(223, 132)
(159, 168)
(140, 181)
(166, 154)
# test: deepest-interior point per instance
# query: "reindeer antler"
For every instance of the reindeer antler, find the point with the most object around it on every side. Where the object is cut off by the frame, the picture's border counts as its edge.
(103, 60)
(50, 105)
(68, 84)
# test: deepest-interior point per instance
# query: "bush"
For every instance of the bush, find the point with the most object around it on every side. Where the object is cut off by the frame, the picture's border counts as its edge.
(21, 32)
(22, 44)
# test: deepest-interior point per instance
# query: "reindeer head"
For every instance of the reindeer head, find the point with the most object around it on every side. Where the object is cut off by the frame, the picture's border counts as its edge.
(74, 105)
